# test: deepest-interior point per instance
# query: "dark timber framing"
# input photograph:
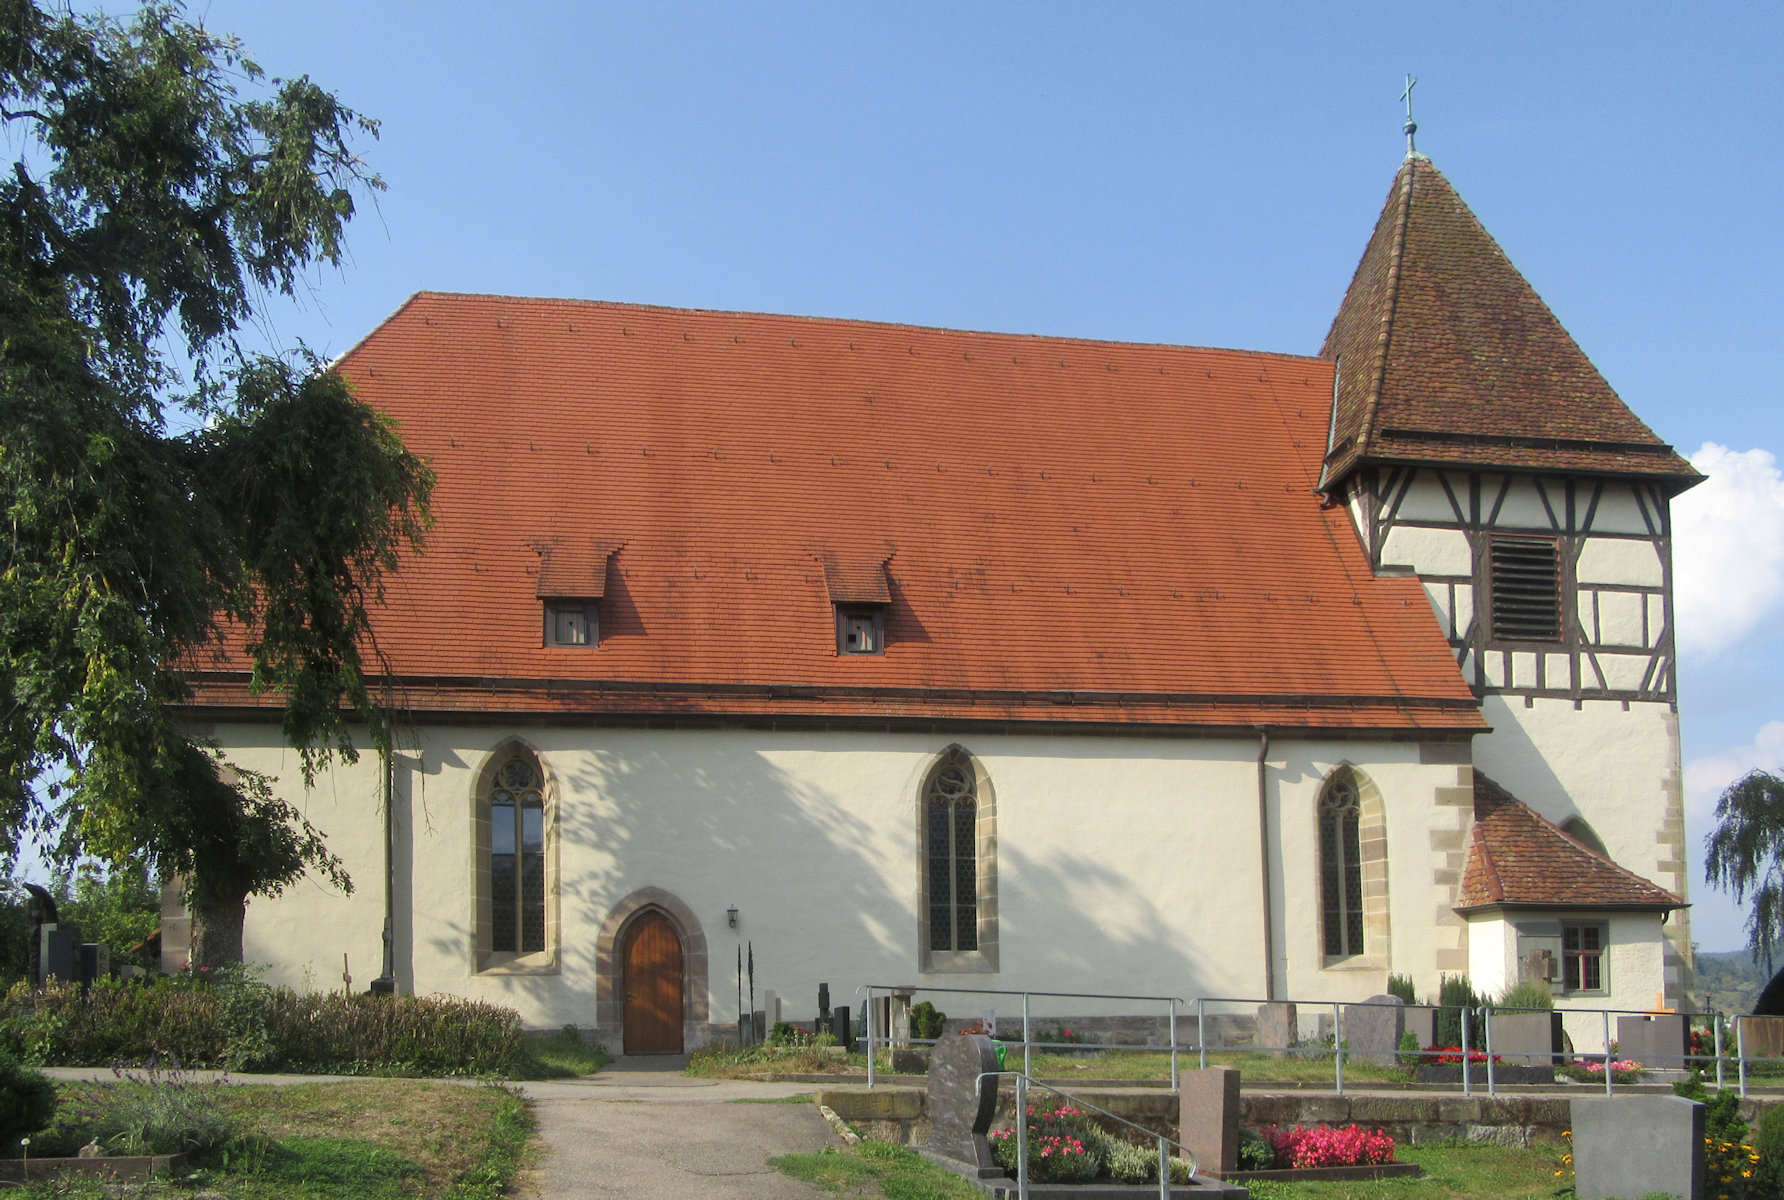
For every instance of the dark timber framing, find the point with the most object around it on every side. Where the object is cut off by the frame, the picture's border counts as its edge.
(1571, 504)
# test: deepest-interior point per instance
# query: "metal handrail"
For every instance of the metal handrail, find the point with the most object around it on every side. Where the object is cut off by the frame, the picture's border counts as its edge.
(1027, 1040)
(1024, 1082)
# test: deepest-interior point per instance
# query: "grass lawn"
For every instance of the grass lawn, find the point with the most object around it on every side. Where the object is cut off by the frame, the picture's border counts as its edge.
(1453, 1171)
(372, 1139)
(561, 1056)
(730, 1063)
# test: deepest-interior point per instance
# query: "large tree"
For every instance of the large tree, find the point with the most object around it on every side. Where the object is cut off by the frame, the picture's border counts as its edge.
(167, 492)
(1745, 855)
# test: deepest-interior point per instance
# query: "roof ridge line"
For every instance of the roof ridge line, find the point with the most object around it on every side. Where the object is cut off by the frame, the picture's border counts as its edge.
(1379, 368)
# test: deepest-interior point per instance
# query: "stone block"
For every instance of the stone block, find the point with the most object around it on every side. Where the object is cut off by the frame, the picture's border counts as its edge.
(1373, 1111)
(1625, 1146)
(1659, 1040)
(1276, 1028)
(1208, 1117)
(1421, 1019)
(1372, 1030)
(880, 1104)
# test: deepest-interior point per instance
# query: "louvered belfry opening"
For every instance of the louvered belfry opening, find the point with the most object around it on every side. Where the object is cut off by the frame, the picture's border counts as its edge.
(1526, 586)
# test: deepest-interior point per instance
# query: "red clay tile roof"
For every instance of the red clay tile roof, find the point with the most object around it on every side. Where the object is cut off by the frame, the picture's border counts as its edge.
(1062, 531)
(1447, 355)
(1519, 859)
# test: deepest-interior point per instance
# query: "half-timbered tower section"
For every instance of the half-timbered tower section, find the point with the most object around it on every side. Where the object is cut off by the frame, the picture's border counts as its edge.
(1477, 448)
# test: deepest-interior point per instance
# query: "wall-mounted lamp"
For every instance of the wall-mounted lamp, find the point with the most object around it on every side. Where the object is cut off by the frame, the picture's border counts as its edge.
(731, 916)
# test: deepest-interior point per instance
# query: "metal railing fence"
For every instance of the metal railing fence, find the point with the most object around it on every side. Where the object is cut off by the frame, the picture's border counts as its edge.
(1476, 1055)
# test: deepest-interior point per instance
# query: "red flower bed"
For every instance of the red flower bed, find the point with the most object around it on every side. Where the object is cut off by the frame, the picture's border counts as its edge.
(1302, 1148)
(1453, 1054)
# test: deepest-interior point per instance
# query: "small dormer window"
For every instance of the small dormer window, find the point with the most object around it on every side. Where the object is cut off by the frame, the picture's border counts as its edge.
(860, 631)
(572, 623)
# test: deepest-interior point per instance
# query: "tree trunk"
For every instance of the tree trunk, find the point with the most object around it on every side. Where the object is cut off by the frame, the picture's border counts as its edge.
(217, 932)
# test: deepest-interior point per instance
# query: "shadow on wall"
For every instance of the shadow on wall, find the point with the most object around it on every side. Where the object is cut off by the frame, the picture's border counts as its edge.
(826, 875)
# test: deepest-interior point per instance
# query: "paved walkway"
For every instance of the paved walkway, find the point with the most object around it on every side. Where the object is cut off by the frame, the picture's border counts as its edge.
(642, 1130)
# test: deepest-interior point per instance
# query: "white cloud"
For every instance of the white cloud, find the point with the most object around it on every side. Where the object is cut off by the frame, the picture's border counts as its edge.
(1706, 778)
(1728, 548)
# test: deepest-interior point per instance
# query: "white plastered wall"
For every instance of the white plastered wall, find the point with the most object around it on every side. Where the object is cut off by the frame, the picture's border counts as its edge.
(1125, 865)
(1634, 959)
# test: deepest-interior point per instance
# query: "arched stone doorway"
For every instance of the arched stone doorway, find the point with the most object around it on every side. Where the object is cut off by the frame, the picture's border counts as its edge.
(679, 939)
(651, 976)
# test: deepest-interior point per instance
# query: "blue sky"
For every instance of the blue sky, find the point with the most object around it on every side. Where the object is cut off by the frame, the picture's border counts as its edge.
(1200, 173)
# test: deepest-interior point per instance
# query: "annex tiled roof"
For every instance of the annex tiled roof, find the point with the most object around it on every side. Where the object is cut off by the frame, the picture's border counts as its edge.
(1060, 530)
(1520, 859)
(1448, 355)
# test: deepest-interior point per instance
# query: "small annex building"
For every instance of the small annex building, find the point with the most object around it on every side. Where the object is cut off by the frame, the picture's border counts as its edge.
(964, 659)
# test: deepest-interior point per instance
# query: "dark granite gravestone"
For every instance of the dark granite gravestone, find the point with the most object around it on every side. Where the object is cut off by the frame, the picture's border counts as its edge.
(1530, 1039)
(1372, 1030)
(960, 1110)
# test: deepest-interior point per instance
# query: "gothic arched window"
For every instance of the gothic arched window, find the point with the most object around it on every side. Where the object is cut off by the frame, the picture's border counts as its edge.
(517, 857)
(1341, 867)
(958, 868)
(516, 875)
(951, 817)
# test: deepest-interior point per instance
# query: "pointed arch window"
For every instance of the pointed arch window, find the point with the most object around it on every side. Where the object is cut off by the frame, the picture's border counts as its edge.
(516, 892)
(1341, 867)
(957, 865)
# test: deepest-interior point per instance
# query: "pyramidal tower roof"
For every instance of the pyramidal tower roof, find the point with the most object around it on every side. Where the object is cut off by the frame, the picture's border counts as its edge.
(1448, 356)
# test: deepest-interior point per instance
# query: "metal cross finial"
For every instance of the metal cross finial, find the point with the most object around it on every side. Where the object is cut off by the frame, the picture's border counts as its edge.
(1412, 126)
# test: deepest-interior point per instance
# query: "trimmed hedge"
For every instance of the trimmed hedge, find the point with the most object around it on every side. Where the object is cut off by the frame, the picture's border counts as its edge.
(242, 1025)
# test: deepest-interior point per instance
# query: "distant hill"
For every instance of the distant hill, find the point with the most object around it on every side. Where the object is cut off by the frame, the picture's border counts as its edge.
(1729, 982)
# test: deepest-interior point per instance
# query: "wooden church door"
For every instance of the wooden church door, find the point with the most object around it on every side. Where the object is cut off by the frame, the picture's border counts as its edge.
(653, 986)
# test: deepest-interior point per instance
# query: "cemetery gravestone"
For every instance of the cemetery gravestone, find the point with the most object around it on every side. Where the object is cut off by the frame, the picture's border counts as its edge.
(1627, 1146)
(1526, 1039)
(960, 1109)
(1372, 1030)
(1276, 1028)
(1658, 1040)
(1208, 1118)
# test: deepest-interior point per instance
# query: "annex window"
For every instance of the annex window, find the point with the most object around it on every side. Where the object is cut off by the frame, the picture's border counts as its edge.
(860, 631)
(1524, 575)
(1341, 867)
(572, 623)
(1583, 960)
(956, 828)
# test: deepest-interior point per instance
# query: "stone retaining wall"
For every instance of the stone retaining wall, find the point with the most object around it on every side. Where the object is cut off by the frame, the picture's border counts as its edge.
(899, 1114)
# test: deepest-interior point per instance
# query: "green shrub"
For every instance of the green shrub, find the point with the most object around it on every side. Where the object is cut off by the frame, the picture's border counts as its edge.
(1528, 994)
(1401, 986)
(1409, 1049)
(1255, 1153)
(1454, 994)
(1769, 1141)
(27, 1099)
(238, 1022)
(154, 1112)
(1127, 1163)
(1722, 1117)
(927, 1021)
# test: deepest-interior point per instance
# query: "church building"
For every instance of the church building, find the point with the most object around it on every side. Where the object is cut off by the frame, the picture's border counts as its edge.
(898, 655)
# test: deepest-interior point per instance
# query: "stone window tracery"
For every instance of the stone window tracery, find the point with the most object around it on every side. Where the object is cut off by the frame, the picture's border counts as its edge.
(1341, 868)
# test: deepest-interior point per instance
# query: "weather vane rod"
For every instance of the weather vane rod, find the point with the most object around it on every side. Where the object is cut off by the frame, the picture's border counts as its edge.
(1412, 126)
